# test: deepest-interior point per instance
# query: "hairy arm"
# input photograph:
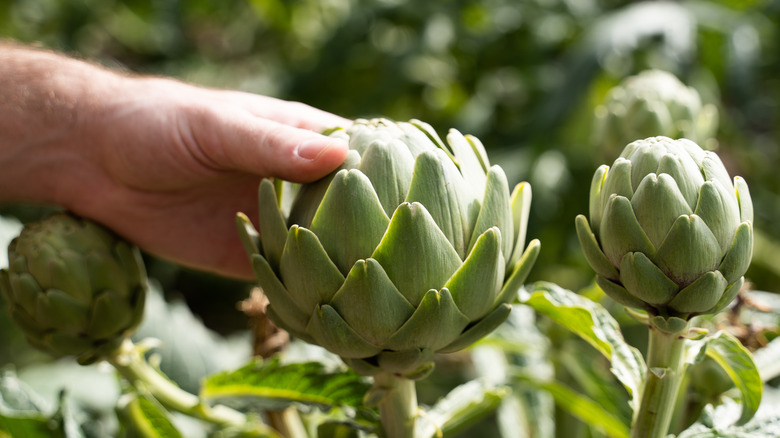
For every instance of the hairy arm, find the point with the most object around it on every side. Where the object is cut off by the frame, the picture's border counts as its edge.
(164, 163)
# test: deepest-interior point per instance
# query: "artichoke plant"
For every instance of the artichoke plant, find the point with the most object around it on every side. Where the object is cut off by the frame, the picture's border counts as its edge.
(653, 103)
(669, 231)
(73, 287)
(412, 247)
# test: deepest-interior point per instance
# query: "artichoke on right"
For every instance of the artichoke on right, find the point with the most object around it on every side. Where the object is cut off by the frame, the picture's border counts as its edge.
(669, 231)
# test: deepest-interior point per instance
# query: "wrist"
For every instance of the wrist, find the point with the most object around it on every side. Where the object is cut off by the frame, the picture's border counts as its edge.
(46, 105)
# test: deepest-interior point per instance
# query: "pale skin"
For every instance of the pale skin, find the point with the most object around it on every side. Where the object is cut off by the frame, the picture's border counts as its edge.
(165, 164)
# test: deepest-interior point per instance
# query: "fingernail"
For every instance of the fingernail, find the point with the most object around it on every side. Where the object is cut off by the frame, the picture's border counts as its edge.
(312, 149)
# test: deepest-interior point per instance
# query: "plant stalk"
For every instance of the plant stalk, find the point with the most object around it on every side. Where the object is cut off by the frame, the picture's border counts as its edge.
(131, 364)
(397, 405)
(665, 363)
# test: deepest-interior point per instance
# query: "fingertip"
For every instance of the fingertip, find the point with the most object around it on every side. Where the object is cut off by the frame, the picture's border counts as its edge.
(322, 155)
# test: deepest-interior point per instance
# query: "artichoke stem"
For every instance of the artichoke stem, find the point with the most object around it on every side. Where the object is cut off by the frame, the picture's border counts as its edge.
(665, 371)
(397, 405)
(129, 361)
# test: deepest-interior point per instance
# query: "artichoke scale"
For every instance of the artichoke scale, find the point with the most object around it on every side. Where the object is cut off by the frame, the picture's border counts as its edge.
(273, 230)
(438, 185)
(737, 259)
(308, 274)
(686, 175)
(471, 165)
(619, 293)
(415, 254)
(620, 231)
(436, 322)
(617, 181)
(58, 310)
(479, 329)
(657, 203)
(702, 294)
(720, 211)
(645, 281)
(593, 254)
(389, 168)
(689, 250)
(330, 331)
(519, 272)
(110, 315)
(291, 316)
(370, 303)
(744, 199)
(520, 202)
(476, 284)
(350, 222)
(496, 212)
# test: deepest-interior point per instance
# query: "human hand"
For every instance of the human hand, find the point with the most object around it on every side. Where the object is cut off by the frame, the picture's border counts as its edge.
(174, 164)
(167, 165)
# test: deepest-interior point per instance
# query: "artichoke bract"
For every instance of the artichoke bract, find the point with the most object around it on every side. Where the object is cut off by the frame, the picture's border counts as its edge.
(74, 287)
(669, 231)
(412, 247)
(653, 103)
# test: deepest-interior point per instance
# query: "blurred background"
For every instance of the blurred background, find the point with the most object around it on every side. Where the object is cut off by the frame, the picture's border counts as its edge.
(532, 79)
(525, 77)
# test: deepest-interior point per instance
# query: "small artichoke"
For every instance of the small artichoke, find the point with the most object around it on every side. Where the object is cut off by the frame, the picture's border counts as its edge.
(73, 287)
(669, 232)
(653, 103)
(411, 248)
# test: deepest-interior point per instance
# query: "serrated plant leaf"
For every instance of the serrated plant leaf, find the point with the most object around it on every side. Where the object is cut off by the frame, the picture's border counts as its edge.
(591, 322)
(462, 406)
(146, 417)
(582, 407)
(738, 363)
(273, 385)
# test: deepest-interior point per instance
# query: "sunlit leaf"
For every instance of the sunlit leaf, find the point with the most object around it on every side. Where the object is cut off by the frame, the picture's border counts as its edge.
(584, 408)
(593, 323)
(738, 363)
(462, 407)
(147, 418)
(272, 385)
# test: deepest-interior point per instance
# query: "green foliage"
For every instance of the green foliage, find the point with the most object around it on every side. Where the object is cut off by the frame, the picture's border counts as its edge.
(272, 385)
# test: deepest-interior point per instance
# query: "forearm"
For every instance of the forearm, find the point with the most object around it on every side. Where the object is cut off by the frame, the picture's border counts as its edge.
(46, 102)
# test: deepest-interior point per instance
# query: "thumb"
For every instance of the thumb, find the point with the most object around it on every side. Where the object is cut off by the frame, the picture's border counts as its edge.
(267, 148)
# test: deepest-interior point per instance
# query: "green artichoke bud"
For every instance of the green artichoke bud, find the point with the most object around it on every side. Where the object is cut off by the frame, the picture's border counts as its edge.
(73, 287)
(669, 232)
(653, 103)
(413, 247)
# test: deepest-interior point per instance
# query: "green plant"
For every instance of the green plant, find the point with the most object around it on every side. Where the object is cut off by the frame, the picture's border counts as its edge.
(74, 287)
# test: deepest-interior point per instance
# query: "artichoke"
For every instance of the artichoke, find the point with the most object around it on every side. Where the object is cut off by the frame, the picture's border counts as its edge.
(653, 103)
(669, 232)
(73, 287)
(412, 247)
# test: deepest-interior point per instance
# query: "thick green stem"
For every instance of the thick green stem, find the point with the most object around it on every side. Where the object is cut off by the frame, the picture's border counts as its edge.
(131, 364)
(665, 360)
(397, 405)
